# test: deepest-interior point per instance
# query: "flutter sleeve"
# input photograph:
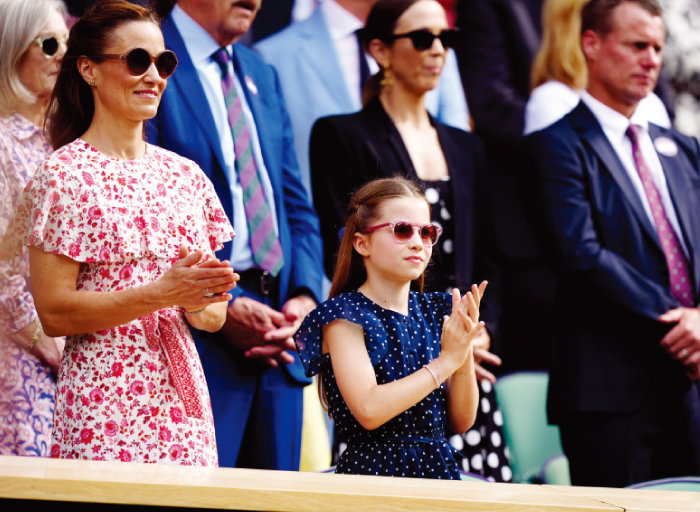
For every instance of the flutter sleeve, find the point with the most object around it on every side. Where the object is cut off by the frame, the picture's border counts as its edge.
(346, 307)
(91, 208)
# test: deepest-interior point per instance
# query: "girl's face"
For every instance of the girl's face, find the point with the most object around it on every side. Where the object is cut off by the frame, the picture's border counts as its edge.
(417, 70)
(385, 257)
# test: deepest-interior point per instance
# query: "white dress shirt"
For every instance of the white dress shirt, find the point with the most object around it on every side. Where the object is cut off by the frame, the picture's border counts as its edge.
(200, 47)
(614, 126)
(552, 100)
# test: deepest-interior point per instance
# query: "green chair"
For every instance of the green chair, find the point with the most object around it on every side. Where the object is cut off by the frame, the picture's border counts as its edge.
(522, 397)
(465, 476)
(680, 483)
(555, 471)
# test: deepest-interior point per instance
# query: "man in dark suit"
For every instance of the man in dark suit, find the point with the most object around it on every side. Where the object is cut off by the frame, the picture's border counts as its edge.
(618, 201)
(499, 41)
(224, 110)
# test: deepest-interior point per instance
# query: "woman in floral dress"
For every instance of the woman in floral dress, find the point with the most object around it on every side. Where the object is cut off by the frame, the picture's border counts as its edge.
(121, 237)
(32, 42)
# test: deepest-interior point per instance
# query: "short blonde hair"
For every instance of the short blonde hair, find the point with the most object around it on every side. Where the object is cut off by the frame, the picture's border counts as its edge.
(20, 23)
(560, 56)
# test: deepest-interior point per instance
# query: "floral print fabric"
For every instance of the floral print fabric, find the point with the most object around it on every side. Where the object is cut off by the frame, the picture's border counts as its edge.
(26, 385)
(124, 221)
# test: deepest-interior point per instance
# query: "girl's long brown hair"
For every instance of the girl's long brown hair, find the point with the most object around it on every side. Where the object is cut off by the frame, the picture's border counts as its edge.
(362, 211)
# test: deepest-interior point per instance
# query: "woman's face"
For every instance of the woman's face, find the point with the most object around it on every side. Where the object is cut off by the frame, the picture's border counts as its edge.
(37, 71)
(418, 71)
(118, 94)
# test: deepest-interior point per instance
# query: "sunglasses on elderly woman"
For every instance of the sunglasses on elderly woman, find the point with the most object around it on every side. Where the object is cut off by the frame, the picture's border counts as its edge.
(139, 60)
(423, 39)
(49, 44)
(403, 231)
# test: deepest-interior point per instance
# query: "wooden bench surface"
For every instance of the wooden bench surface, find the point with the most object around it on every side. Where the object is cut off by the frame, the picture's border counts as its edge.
(27, 478)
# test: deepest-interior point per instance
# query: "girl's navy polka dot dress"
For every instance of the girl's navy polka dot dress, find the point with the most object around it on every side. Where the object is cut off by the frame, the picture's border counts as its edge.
(412, 444)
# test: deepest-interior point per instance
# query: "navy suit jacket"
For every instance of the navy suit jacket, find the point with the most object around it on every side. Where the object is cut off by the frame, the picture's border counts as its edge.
(613, 280)
(185, 125)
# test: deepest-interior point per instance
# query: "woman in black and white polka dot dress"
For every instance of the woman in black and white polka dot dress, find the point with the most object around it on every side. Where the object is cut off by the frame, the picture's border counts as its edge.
(396, 365)
(394, 135)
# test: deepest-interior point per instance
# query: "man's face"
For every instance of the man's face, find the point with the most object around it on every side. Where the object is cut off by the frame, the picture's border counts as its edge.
(624, 64)
(225, 20)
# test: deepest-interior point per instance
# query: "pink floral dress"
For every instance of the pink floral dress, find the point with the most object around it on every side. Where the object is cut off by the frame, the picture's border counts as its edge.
(135, 392)
(26, 385)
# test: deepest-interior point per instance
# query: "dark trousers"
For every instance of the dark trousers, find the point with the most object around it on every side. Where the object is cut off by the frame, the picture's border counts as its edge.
(257, 410)
(659, 440)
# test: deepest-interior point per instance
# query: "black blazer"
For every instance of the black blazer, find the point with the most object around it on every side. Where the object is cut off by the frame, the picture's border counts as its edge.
(613, 279)
(346, 151)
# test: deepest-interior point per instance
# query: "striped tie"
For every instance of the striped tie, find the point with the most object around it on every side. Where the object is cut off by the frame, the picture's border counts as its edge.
(264, 242)
(681, 288)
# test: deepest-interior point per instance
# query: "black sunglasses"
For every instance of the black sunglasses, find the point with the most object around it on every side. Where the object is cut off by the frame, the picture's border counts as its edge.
(403, 231)
(49, 44)
(139, 60)
(423, 39)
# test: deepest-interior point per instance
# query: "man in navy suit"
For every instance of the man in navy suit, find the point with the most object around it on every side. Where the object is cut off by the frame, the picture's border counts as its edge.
(618, 201)
(254, 375)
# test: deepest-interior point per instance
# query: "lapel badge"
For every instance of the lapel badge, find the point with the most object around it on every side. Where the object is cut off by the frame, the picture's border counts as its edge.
(666, 146)
(251, 85)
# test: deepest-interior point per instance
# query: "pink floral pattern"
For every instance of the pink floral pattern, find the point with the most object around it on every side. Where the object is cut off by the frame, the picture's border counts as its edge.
(26, 385)
(124, 221)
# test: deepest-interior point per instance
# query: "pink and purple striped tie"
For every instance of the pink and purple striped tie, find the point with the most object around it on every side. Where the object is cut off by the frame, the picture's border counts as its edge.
(681, 287)
(264, 241)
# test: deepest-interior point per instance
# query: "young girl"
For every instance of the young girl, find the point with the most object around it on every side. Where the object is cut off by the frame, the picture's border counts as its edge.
(396, 365)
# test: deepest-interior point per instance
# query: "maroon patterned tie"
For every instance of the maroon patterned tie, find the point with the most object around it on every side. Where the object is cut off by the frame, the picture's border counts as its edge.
(681, 288)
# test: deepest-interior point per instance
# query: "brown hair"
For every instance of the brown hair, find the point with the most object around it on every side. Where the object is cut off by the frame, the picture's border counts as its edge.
(381, 22)
(560, 56)
(363, 209)
(596, 14)
(72, 106)
(162, 7)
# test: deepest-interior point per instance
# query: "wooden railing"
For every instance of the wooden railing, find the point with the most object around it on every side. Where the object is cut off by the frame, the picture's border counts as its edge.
(29, 479)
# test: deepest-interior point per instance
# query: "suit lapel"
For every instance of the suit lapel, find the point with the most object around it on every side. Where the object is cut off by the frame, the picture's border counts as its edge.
(683, 195)
(320, 54)
(459, 165)
(585, 122)
(526, 15)
(187, 81)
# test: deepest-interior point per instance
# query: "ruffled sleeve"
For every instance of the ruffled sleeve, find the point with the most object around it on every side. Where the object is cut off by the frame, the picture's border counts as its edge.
(348, 306)
(91, 207)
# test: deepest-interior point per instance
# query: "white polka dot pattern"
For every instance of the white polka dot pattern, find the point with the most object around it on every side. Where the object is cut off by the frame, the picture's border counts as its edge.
(413, 443)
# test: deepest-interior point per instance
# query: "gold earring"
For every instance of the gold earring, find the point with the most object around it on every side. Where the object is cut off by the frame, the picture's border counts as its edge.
(92, 83)
(387, 79)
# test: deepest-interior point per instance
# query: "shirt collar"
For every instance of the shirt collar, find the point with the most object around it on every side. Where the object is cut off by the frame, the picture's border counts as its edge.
(611, 120)
(199, 43)
(340, 22)
(20, 127)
